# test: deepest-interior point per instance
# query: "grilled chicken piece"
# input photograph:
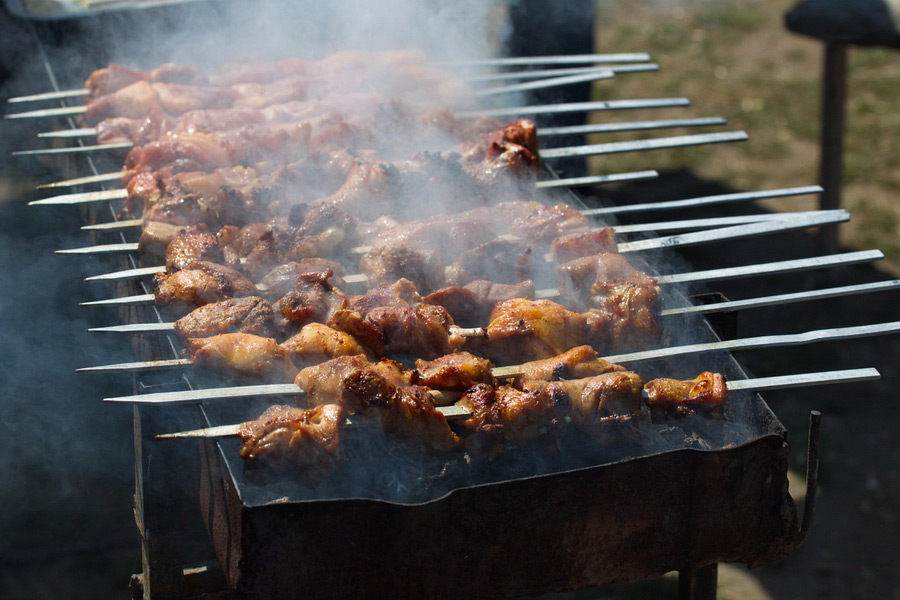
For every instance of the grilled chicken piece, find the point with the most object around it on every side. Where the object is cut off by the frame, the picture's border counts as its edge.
(250, 314)
(365, 332)
(505, 414)
(203, 282)
(612, 397)
(155, 238)
(193, 243)
(521, 330)
(457, 371)
(389, 263)
(402, 292)
(242, 356)
(576, 245)
(422, 330)
(448, 235)
(316, 343)
(471, 304)
(576, 278)
(511, 149)
(141, 98)
(306, 441)
(624, 316)
(313, 299)
(576, 363)
(623, 301)
(322, 383)
(379, 390)
(114, 77)
(545, 223)
(283, 278)
(501, 261)
(704, 394)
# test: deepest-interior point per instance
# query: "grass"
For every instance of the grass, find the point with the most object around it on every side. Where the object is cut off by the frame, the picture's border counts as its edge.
(736, 60)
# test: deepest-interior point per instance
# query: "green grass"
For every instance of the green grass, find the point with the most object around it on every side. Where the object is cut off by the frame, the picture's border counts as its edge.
(736, 60)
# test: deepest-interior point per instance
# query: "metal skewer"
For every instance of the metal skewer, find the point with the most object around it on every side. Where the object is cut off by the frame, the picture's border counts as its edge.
(682, 225)
(814, 219)
(591, 59)
(759, 384)
(648, 206)
(545, 131)
(749, 303)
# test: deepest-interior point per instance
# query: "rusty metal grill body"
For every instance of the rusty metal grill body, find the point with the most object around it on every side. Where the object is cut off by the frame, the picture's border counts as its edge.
(612, 512)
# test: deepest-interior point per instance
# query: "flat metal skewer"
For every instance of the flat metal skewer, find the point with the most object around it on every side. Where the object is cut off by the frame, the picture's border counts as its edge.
(544, 133)
(223, 393)
(816, 218)
(611, 210)
(546, 83)
(759, 384)
(677, 225)
(748, 303)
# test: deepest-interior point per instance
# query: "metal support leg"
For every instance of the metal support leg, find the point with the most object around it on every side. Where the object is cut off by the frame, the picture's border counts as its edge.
(831, 162)
(698, 584)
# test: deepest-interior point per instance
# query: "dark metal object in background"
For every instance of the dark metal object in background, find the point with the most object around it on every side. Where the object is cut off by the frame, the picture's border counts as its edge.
(839, 23)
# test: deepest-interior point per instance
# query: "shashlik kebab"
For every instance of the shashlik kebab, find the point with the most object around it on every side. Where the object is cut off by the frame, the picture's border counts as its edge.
(487, 418)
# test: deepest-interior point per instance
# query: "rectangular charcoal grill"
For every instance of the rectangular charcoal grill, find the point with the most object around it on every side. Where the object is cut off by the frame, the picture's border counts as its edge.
(682, 496)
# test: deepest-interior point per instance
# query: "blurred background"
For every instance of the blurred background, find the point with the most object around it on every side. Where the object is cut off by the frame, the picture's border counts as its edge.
(66, 523)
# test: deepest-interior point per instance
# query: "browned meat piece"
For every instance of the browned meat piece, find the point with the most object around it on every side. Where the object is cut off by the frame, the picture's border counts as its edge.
(504, 414)
(405, 411)
(192, 244)
(576, 277)
(317, 231)
(155, 239)
(576, 363)
(446, 234)
(457, 371)
(306, 441)
(324, 231)
(114, 77)
(575, 245)
(140, 98)
(522, 330)
(250, 314)
(283, 278)
(612, 397)
(323, 383)
(317, 343)
(237, 242)
(624, 316)
(202, 283)
(363, 331)
(242, 356)
(471, 305)
(313, 299)
(509, 150)
(501, 261)
(672, 397)
(422, 330)
(545, 223)
(390, 263)
(410, 414)
(399, 293)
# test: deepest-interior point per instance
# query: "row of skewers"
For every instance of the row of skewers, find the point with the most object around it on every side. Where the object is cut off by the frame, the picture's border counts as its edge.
(260, 253)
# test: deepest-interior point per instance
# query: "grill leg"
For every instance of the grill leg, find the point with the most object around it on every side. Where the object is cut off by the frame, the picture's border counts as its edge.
(698, 584)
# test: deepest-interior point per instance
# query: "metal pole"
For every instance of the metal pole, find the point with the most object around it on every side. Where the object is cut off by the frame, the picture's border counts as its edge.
(831, 165)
